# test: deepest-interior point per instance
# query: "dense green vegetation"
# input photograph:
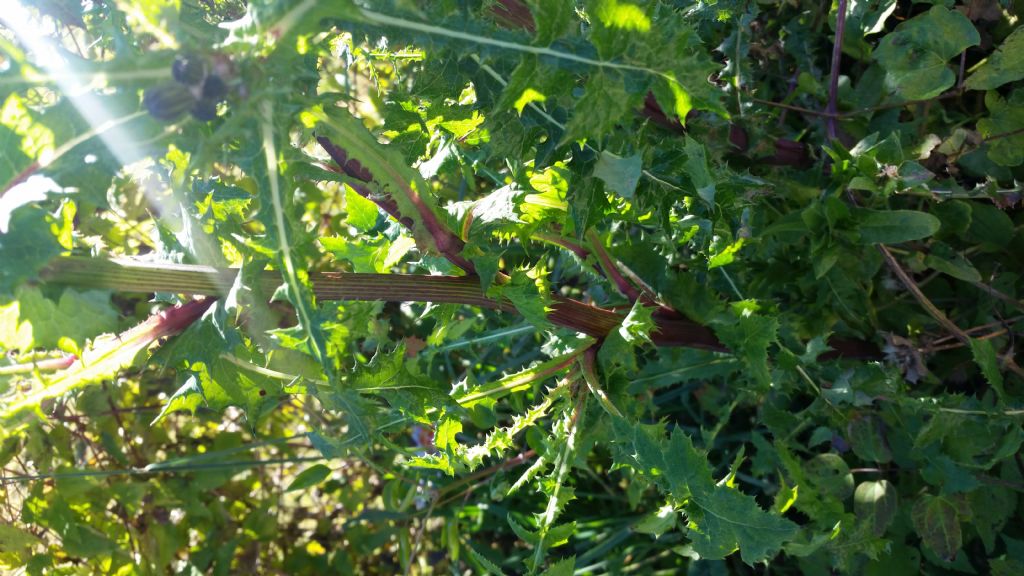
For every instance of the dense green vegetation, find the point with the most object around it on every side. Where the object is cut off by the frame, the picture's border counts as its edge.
(511, 287)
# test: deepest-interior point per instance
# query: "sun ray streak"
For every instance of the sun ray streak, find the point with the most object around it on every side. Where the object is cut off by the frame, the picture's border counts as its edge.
(115, 132)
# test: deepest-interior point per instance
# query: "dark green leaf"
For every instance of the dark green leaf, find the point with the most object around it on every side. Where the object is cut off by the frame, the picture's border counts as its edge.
(915, 55)
(1003, 66)
(722, 518)
(604, 104)
(985, 357)
(1006, 120)
(749, 338)
(876, 503)
(309, 477)
(26, 245)
(620, 174)
(867, 437)
(697, 170)
(937, 523)
(895, 226)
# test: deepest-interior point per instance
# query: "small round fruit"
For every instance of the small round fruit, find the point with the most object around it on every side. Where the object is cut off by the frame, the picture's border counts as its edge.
(214, 88)
(205, 110)
(188, 69)
(167, 102)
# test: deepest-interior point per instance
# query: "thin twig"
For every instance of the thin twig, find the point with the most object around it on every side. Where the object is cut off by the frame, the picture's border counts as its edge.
(923, 300)
(999, 295)
(984, 327)
(1003, 135)
(139, 458)
(842, 115)
(419, 536)
(955, 345)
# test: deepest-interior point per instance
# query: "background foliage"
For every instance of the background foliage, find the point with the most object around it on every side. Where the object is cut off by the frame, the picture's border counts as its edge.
(717, 287)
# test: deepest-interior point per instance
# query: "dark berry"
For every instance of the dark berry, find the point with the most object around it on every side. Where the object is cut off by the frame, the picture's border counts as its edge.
(188, 69)
(168, 101)
(205, 110)
(214, 88)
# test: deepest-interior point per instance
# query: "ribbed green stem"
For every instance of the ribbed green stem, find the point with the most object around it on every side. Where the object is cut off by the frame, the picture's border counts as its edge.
(136, 276)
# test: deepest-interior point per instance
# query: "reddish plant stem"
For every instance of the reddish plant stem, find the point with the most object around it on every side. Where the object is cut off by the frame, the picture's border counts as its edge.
(448, 244)
(580, 252)
(513, 14)
(20, 177)
(45, 365)
(832, 123)
(609, 268)
(511, 462)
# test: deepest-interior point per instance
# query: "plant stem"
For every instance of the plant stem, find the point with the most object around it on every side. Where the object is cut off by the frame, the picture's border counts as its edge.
(447, 243)
(135, 276)
(923, 300)
(609, 268)
(832, 124)
(44, 365)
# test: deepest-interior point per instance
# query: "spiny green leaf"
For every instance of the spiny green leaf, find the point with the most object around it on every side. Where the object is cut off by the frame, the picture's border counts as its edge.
(523, 533)
(107, 355)
(605, 103)
(33, 321)
(187, 398)
(749, 337)
(386, 170)
(725, 256)
(358, 411)
(361, 213)
(218, 371)
(658, 522)
(536, 468)
(517, 382)
(619, 347)
(985, 357)
(552, 18)
(491, 568)
(528, 290)
(564, 567)
(721, 519)
(620, 174)
(697, 170)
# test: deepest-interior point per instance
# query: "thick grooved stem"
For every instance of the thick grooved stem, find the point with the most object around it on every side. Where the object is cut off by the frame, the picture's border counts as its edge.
(136, 276)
